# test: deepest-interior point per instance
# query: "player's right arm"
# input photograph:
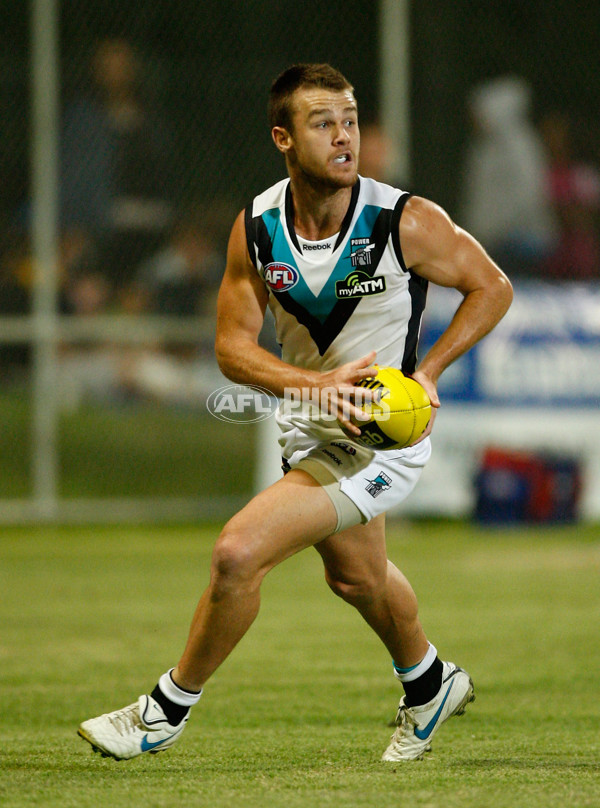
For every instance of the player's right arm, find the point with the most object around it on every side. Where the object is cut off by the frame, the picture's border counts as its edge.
(241, 306)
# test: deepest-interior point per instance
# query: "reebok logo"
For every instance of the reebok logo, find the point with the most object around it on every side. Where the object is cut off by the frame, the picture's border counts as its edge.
(334, 457)
(316, 246)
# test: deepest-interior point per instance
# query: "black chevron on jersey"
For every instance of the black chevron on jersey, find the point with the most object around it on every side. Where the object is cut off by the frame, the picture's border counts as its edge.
(324, 333)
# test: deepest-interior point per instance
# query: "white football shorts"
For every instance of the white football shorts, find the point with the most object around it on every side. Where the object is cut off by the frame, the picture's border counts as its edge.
(374, 481)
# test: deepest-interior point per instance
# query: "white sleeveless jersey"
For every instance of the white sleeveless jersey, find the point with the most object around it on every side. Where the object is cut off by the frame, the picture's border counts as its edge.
(337, 299)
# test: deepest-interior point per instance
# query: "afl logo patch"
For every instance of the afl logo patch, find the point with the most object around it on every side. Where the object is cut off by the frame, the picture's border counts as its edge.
(281, 277)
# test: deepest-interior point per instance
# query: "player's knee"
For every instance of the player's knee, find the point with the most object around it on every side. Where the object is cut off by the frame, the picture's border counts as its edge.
(234, 562)
(353, 590)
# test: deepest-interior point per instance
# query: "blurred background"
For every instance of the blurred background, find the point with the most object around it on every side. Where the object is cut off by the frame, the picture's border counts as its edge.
(132, 134)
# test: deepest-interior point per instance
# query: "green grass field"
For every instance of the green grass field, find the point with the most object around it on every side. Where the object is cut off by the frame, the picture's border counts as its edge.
(298, 716)
(138, 449)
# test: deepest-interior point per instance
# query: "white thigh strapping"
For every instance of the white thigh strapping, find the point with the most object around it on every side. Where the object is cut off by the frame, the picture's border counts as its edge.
(376, 481)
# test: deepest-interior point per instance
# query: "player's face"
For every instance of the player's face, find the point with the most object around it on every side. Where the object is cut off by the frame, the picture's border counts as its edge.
(325, 140)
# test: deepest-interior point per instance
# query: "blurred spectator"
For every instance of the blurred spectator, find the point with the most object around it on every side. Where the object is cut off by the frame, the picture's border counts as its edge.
(15, 270)
(378, 155)
(116, 210)
(84, 289)
(182, 277)
(115, 174)
(574, 191)
(376, 152)
(86, 294)
(504, 203)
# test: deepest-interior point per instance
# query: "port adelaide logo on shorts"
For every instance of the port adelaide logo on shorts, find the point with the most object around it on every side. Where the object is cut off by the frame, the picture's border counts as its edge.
(359, 283)
(381, 483)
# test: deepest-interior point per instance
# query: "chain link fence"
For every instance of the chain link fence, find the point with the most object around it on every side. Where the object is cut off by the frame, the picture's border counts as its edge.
(162, 139)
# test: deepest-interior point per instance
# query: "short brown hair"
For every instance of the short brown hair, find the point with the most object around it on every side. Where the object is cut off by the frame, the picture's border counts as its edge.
(301, 75)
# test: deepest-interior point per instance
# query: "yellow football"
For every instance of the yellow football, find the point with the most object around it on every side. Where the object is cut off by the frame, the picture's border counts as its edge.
(401, 414)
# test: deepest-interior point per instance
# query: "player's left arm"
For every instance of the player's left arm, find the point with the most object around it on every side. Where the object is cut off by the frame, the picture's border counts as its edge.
(435, 248)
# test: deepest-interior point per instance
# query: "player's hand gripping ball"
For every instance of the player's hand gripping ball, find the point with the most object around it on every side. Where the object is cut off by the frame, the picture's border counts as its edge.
(400, 416)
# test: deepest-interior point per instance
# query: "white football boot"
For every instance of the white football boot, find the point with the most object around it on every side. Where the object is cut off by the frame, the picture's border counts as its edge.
(416, 726)
(124, 734)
